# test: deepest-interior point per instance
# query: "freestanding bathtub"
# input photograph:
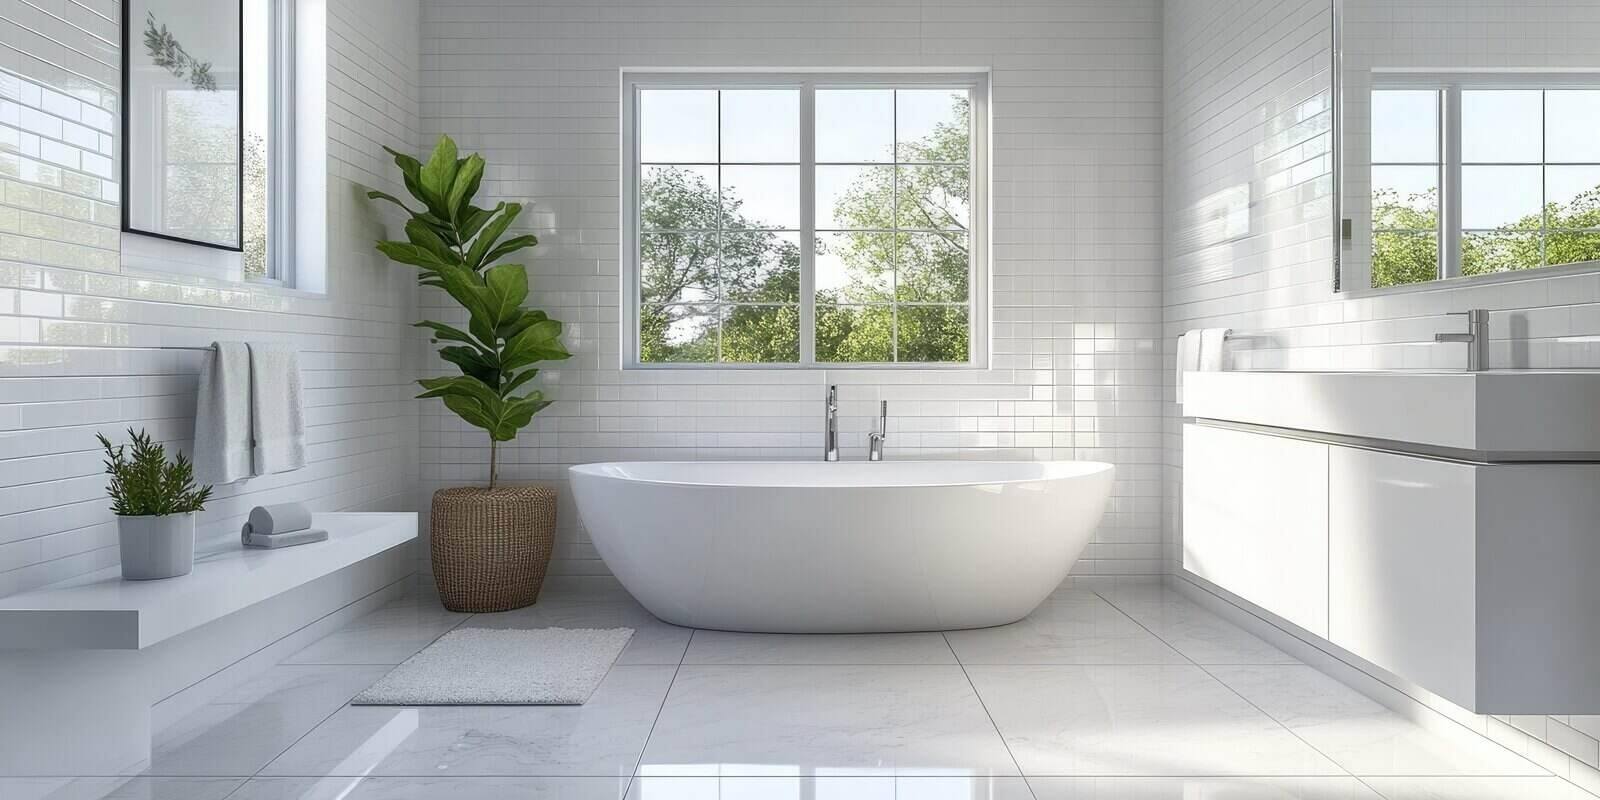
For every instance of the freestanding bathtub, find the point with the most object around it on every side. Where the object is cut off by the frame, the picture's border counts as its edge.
(854, 547)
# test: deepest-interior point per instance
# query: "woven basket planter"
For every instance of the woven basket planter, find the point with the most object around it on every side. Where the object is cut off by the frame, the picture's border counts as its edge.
(491, 547)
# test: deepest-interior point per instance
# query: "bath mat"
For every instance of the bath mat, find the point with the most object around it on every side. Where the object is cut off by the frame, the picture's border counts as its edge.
(487, 666)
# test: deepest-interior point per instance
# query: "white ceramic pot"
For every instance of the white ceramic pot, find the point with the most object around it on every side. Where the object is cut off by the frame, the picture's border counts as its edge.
(155, 547)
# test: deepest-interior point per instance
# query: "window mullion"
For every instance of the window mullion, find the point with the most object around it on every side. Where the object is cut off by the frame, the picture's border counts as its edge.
(808, 223)
(1450, 231)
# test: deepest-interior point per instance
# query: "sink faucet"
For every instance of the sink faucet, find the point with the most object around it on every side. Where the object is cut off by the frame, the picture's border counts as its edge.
(830, 435)
(875, 439)
(1476, 338)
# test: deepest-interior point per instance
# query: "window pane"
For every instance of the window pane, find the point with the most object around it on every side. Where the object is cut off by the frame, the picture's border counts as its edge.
(1501, 126)
(1565, 247)
(1485, 253)
(931, 125)
(931, 334)
(1572, 197)
(677, 125)
(258, 59)
(854, 267)
(1400, 258)
(761, 267)
(933, 198)
(678, 334)
(1496, 197)
(760, 125)
(850, 197)
(761, 197)
(932, 268)
(855, 125)
(761, 334)
(677, 267)
(1572, 120)
(678, 198)
(1405, 198)
(1405, 126)
(855, 334)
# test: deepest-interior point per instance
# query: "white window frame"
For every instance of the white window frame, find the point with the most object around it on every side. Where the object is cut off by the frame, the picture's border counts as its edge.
(975, 82)
(1448, 127)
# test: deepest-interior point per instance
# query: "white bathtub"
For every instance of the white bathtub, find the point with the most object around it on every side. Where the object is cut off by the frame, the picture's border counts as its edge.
(816, 547)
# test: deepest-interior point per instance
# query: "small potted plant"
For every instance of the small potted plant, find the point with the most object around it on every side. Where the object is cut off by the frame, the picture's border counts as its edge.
(155, 501)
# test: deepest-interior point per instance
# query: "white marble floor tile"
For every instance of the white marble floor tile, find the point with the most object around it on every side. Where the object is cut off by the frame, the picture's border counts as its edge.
(1201, 789)
(118, 788)
(1362, 735)
(1069, 628)
(830, 787)
(388, 635)
(1136, 720)
(433, 788)
(771, 720)
(1477, 788)
(602, 737)
(253, 723)
(1198, 634)
(721, 647)
(654, 641)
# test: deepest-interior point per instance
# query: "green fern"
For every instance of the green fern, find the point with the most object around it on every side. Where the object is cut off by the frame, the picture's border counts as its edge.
(144, 483)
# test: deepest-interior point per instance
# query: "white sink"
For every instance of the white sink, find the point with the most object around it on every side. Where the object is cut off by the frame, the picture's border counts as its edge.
(1495, 415)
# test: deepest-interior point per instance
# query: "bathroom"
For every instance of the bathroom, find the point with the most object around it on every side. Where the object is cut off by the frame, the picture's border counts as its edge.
(1045, 399)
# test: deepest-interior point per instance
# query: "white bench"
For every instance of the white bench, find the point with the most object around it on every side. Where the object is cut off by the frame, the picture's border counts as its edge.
(83, 661)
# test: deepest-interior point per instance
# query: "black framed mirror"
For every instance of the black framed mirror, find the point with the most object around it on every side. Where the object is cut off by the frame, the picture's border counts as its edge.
(183, 121)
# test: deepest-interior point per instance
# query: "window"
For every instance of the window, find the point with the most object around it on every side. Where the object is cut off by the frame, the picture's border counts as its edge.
(804, 220)
(268, 146)
(1483, 176)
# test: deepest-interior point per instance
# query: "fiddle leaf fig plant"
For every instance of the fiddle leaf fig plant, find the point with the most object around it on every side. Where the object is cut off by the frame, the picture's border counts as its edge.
(457, 247)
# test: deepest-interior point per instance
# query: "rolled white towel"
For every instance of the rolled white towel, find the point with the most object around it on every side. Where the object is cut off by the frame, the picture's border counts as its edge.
(277, 518)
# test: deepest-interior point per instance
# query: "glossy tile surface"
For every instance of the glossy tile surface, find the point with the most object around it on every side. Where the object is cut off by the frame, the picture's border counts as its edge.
(1361, 735)
(881, 720)
(1136, 720)
(1098, 696)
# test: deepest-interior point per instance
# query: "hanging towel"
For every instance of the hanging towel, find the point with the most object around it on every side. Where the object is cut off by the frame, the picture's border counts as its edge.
(1213, 349)
(276, 420)
(277, 518)
(1188, 358)
(222, 416)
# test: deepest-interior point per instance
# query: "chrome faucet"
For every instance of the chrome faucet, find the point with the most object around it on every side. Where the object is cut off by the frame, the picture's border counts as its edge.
(1476, 338)
(830, 435)
(875, 439)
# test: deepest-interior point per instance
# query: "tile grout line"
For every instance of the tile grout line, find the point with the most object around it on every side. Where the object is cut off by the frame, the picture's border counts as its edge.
(633, 775)
(985, 706)
(1235, 692)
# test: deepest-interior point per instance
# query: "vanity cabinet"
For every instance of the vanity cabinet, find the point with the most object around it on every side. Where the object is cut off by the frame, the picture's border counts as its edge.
(1478, 581)
(1255, 519)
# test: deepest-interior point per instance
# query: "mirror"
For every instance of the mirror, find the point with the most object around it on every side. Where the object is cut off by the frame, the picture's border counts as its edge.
(182, 153)
(1469, 140)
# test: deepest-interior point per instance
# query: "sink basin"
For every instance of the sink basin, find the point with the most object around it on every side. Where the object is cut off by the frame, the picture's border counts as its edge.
(1495, 415)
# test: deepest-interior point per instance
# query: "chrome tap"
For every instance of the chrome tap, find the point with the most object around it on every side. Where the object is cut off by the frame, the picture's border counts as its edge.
(830, 430)
(1476, 338)
(875, 439)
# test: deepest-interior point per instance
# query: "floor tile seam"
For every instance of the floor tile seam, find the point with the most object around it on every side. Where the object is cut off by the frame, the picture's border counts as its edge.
(644, 746)
(992, 723)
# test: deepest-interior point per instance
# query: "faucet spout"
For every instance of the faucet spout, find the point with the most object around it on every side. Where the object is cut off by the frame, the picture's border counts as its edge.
(876, 438)
(1476, 338)
(830, 425)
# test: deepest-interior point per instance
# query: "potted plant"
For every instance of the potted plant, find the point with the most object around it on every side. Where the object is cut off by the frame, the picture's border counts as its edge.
(155, 502)
(490, 544)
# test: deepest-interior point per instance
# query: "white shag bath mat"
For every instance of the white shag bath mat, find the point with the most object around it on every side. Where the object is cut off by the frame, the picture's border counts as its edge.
(487, 666)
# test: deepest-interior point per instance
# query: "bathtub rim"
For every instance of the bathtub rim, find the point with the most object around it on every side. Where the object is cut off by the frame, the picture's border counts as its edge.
(1083, 469)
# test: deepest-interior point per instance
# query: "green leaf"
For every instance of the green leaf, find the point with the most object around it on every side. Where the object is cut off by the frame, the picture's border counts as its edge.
(509, 386)
(423, 236)
(521, 323)
(438, 175)
(508, 287)
(377, 195)
(457, 386)
(492, 231)
(464, 186)
(443, 332)
(473, 363)
(468, 289)
(510, 246)
(539, 342)
(473, 218)
(407, 253)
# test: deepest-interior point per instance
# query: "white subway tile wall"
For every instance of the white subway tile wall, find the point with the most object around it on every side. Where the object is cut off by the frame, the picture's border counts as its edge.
(534, 85)
(78, 332)
(1247, 115)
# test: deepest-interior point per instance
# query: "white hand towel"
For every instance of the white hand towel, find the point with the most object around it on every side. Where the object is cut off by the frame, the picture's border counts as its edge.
(276, 419)
(1213, 349)
(1188, 358)
(222, 416)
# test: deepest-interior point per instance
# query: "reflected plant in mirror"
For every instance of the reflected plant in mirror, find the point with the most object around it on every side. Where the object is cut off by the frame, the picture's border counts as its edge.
(1451, 169)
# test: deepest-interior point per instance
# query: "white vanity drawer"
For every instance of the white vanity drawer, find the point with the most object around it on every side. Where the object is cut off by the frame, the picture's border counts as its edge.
(1255, 519)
